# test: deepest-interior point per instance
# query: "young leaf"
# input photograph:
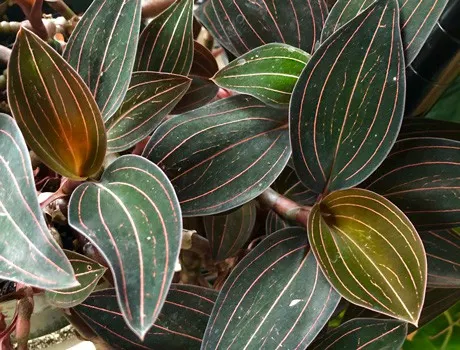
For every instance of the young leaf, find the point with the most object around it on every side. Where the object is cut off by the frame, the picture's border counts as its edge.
(228, 233)
(276, 297)
(133, 217)
(416, 174)
(442, 252)
(102, 49)
(29, 253)
(347, 107)
(242, 25)
(370, 252)
(423, 127)
(88, 274)
(183, 320)
(417, 19)
(149, 99)
(366, 334)
(221, 156)
(54, 109)
(268, 73)
(166, 44)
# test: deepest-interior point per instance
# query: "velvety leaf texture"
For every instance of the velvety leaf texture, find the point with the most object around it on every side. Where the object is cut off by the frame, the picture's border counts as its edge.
(416, 175)
(102, 49)
(242, 25)
(347, 107)
(276, 297)
(423, 127)
(166, 44)
(28, 254)
(181, 324)
(221, 156)
(417, 19)
(149, 99)
(54, 109)
(370, 252)
(133, 217)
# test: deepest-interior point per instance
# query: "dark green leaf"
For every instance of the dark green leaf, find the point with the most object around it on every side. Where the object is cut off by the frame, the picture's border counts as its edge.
(437, 300)
(276, 297)
(443, 255)
(423, 127)
(180, 326)
(29, 253)
(366, 334)
(228, 233)
(447, 106)
(416, 175)
(166, 44)
(149, 99)
(417, 19)
(133, 217)
(268, 73)
(222, 155)
(204, 64)
(243, 25)
(201, 92)
(443, 333)
(370, 252)
(88, 274)
(102, 49)
(274, 223)
(346, 109)
(54, 109)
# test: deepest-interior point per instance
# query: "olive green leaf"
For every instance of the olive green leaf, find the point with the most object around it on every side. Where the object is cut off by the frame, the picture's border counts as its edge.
(102, 49)
(132, 216)
(88, 274)
(268, 73)
(370, 252)
(54, 109)
(347, 107)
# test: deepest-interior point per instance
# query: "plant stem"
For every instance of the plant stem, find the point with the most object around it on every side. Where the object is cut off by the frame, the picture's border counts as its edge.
(285, 207)
(61, 7)
(193, 242)
(34, 15)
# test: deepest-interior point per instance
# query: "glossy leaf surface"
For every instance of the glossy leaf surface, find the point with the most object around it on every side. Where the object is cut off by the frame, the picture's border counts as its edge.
(221, 156)
(443, 255)
(149, 99)
(227, 233)
(268, 73)
(366, 334)
(133, 217)
(416, 174)
(242, 25)
(181, 324)
(102, 49)
(423, 127)
(370, 252)
(276, 297)
(54, 109)
(166, 44)
(347, 106)
(87, 272)
(23, 229)
(417, 19)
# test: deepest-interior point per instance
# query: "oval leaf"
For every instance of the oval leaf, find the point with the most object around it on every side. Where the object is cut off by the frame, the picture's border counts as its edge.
(347, 107)
(442, 252)
(54, 109)
(370, 252)
(102, 49)
(227, 234)
(29, 253)
(222, 155)
(242, 25)
(366, 334)
(149, 99)
(183, 320)
(422, 127)
(166, 44)
(200, 93)
(133, 217)
(417, 19)
(416, 174)
(87, 272)
(268, 73)
(276, 297)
